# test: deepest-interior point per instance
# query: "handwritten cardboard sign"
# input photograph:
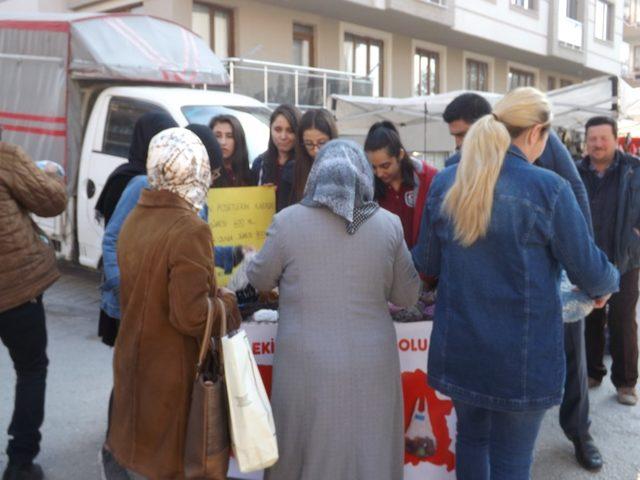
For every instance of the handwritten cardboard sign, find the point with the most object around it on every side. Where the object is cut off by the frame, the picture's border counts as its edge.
(240, 216)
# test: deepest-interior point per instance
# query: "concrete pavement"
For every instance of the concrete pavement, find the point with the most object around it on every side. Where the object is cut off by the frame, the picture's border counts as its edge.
(80, 380)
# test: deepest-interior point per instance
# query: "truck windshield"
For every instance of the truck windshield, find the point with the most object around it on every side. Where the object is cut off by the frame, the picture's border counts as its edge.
(204, 113)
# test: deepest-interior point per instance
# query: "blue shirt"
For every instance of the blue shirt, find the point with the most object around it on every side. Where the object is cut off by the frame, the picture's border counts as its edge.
(497, 341)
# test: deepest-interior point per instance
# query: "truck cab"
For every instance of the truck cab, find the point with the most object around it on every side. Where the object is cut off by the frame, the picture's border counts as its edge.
(108, 135)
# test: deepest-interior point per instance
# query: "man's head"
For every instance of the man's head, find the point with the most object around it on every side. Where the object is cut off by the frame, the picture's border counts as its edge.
(462, 112)
(602, 140)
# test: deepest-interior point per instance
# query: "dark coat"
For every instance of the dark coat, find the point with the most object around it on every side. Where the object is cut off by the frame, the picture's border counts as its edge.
(627, 241)
(263, 175)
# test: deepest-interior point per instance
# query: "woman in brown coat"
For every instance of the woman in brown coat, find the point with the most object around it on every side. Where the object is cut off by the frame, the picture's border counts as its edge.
(166, 274)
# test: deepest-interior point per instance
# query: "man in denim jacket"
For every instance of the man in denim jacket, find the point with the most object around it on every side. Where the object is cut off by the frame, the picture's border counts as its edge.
(574, 410)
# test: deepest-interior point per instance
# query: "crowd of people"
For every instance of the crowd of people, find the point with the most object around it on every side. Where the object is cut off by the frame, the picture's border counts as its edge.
(357, 230)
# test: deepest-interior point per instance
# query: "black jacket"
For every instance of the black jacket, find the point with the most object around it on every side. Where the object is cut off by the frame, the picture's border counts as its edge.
(263, 175)
(627, 241)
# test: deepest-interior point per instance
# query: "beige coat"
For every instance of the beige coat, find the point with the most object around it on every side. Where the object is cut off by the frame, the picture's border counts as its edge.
(27, 263)
(166, 274)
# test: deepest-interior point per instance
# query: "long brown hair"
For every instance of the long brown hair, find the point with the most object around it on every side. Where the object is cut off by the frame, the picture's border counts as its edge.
(319, 119)
(270, 158)
(239, 157)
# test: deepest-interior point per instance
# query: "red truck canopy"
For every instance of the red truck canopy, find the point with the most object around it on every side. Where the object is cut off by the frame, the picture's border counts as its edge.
(43, 58)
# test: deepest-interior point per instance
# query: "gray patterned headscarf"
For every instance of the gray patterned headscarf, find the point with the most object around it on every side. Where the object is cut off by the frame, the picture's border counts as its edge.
(341, 180)
(178, 162)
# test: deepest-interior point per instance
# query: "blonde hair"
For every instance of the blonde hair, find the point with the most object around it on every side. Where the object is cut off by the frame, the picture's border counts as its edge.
(470, 199)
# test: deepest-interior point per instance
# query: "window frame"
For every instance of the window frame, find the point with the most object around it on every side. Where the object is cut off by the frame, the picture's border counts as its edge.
(478, 63)
(368, 41)
(310, 37)
(213, 8)
(527, 5)
(430, 54)
(609, 21)
(514, 70)
(144, 106)
(124, 9)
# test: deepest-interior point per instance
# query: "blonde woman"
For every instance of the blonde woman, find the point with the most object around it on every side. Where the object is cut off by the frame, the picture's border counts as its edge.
(498, 231)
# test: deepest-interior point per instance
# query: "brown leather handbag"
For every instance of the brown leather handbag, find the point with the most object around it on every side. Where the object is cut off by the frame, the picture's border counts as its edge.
(206, 454)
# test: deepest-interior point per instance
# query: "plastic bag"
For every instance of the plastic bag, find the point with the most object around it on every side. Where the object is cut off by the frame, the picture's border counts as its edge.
(253, 431)
(419, 439)
(576, 304)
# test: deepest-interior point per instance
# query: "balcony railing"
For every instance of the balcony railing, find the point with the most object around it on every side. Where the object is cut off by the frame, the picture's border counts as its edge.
(570, 32)
(305, 87)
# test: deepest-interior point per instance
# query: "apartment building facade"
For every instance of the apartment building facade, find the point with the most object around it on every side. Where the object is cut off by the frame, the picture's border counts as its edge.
(401, 47)
(632, 41)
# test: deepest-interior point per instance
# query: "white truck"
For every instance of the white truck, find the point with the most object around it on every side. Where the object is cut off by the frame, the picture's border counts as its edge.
(72, 87)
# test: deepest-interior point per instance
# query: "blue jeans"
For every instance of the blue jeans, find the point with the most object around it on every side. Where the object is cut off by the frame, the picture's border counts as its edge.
(494, 444)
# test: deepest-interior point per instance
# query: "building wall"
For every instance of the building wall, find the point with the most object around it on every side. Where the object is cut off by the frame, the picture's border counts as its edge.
(492, 31)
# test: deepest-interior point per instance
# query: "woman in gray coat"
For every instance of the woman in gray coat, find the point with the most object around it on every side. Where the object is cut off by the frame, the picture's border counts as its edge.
(337, 259)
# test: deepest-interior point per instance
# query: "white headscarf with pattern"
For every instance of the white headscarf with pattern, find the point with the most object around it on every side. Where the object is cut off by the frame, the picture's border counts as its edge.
(178, 162)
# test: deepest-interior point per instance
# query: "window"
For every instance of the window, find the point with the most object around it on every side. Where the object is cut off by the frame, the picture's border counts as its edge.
(572, 9)
(551, 83)
(604, 20)
(363, 56)
(426, 72)
(521, 78)
(631, 11)
(526, 4)
(215, 26)
(121, 117)
(477, 75)
(303, 47)
(565, 83)
(636, 58)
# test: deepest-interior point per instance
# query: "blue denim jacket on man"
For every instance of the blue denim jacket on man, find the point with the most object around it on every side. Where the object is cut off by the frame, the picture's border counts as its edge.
(110, 303)
(497, 340)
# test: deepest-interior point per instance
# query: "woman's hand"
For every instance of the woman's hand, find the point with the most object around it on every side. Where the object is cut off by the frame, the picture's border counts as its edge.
(234, 318)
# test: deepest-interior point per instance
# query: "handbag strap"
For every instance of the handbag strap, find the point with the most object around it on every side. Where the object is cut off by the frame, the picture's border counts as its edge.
(208, 330)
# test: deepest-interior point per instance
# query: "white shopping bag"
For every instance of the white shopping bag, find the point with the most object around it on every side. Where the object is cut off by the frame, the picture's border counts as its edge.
(253, 432)
(419, 439)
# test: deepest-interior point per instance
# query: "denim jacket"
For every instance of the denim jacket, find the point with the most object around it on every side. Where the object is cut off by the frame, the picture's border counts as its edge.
(497, 340)
(110, 288)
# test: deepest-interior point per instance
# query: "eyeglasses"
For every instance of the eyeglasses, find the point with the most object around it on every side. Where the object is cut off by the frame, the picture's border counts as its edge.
(313, 146)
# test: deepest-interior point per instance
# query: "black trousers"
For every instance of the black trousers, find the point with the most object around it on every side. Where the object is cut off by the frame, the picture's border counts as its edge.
(620, 316)
(574, 410)
(24, 333)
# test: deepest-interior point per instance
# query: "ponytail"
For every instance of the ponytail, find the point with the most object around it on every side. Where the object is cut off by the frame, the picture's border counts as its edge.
(469, 202)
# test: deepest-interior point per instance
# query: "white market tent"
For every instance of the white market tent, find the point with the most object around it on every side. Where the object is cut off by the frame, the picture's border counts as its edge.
(420, 118)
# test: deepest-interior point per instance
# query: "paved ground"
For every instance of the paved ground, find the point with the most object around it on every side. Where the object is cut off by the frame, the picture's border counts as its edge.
(80, 380)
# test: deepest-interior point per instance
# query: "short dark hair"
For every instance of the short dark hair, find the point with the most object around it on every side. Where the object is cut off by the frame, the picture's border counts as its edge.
(602, 120)
(468, 107)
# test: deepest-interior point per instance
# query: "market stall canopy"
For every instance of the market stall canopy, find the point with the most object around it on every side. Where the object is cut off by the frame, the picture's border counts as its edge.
(419, 119)
(608, 96)
(423, 129)
(116, 47)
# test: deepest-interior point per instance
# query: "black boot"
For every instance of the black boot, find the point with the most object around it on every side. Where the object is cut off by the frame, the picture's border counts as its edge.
(587, 453)
(29, 471)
